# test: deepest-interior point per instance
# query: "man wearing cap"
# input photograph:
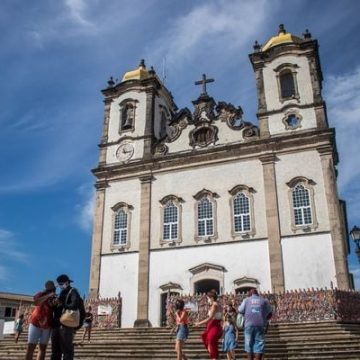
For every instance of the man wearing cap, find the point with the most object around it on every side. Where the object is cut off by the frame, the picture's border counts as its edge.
(41, 321)
(63, 336)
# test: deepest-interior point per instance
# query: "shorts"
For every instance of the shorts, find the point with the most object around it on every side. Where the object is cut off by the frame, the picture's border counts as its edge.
(182, 332)
(254, 339)
(37, 334)
(86, 324)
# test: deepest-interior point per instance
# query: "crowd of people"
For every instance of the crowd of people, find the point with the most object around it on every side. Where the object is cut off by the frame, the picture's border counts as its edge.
(252, 317)
(56, 316)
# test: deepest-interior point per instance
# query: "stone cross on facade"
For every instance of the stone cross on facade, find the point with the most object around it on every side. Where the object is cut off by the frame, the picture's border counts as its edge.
(203, 82)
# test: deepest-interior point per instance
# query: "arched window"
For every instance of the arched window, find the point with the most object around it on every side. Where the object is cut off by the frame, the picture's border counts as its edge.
(170, 231)
(205, 209)
(242, 211)
(121, 226)
(205, 217)
(127, 115)
(242, 219)
(302, 208)
(171, 220)
(287, 84)
(301, 196)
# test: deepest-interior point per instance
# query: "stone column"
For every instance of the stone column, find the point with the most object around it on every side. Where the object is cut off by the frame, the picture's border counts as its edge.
(97, 239)
(144, 253)
(336, 226)
(273, 222)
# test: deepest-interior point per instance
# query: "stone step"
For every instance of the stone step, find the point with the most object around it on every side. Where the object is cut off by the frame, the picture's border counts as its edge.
(322, 340)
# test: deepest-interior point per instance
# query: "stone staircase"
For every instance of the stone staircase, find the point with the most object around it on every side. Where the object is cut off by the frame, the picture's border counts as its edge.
(300, 341)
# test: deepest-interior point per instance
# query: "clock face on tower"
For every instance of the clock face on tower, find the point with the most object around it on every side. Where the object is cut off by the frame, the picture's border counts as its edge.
(125, 152)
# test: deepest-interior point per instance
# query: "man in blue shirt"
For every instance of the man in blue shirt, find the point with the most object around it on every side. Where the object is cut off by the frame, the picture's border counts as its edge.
(257, 311)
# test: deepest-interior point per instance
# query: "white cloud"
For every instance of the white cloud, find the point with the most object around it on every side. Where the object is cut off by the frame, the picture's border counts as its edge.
(9, 247)
(211, 30)
(343, 99)
(77, 9)
(4, 273)
(85, 211)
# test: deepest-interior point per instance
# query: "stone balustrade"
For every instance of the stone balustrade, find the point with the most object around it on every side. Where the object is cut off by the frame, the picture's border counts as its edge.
(292, 306)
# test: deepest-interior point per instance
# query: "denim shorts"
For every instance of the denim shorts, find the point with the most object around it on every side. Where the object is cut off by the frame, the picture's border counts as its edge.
(38, 335)
(182, 332)
(254, 339)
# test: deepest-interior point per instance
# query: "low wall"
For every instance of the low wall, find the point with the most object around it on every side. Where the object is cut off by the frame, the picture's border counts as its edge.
(106, 312)
(291, 306)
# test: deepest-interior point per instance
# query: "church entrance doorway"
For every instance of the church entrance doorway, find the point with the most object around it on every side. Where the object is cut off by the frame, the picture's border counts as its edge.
(205, 285)
(163, 298)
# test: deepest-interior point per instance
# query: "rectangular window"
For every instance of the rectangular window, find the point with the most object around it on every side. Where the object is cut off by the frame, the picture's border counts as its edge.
(205, 218)
(302, 206)
(120, 228)
(170, 227)
(242, 220)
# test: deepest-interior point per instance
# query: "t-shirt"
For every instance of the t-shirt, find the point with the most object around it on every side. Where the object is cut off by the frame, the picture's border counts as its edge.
(256, 309)
(42, 314)
(88, 317)
(182, 317)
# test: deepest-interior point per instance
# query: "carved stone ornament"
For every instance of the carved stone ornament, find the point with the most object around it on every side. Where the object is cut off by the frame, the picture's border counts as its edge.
(161, 150)
(203, 135)
(204, 109)
(177, 124)
(230, 114)
(250, 130)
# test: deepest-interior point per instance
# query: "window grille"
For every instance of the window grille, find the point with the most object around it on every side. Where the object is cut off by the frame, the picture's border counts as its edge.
(302, 205)
(170, 230)
(205, 217)
(242, 219)
(120, 228)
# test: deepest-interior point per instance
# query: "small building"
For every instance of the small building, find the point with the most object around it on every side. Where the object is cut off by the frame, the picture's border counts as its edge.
(10, 304)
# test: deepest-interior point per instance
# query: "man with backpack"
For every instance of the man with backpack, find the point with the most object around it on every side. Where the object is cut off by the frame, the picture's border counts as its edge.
(63, 335)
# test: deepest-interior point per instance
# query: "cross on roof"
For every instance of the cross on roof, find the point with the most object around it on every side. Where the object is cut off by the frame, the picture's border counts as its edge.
(203, 82)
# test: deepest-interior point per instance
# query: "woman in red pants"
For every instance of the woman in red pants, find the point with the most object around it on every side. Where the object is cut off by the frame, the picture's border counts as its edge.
(213, 332)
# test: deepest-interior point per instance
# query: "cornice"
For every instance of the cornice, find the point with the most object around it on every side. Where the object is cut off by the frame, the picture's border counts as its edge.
(290, 105)
(267, 148)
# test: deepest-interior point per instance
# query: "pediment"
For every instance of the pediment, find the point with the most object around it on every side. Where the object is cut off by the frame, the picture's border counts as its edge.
(206, 267)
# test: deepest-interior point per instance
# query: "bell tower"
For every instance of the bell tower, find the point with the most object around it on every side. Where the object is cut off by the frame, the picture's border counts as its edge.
(289, 83)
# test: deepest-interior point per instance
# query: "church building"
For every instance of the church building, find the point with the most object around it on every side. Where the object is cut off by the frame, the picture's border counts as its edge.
(189, 200)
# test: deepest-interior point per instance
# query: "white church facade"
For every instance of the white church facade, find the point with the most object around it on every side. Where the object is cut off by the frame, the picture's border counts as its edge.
(191, 200)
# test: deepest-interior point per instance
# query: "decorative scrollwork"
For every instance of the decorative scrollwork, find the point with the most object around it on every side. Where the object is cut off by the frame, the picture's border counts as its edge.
(161, 150)
(230, 114)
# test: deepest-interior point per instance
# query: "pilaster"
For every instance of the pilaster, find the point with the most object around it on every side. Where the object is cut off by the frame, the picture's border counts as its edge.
(144, 252)
(104, 137)
(336, 225)
(273, 222)
(97, 239)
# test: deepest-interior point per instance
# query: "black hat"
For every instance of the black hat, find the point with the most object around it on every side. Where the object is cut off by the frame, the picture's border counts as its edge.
(63, 278)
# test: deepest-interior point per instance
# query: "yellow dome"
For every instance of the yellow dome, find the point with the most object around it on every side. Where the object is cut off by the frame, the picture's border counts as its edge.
(138, 74)
(282, 38)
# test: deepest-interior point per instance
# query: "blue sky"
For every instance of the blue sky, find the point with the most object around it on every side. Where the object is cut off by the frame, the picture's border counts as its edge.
(56, 56)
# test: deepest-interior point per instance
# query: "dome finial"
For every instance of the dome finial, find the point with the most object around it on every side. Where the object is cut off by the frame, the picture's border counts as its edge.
(142, 64)
(111, 82)
(307, 34)
(256, 46)
(282, 29)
